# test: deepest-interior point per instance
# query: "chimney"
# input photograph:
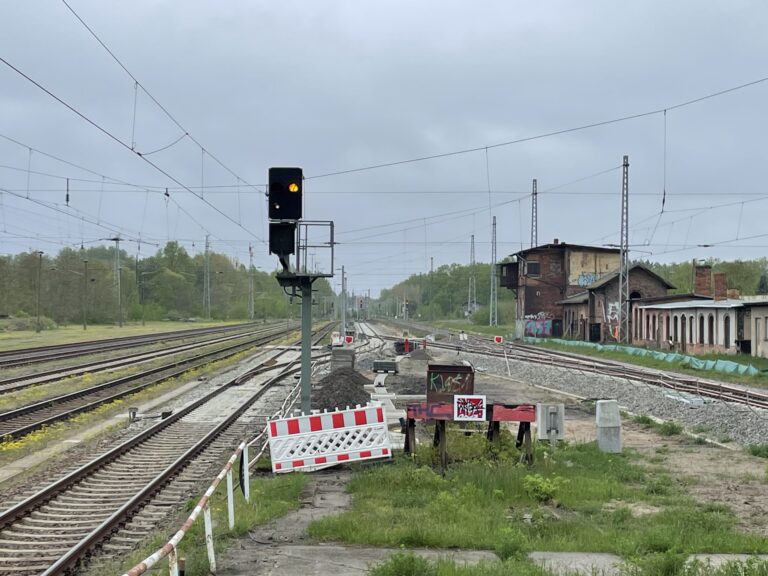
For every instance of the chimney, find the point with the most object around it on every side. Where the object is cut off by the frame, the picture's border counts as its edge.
(734, 294)
(556, 242)
(721, 286)
(702, 281)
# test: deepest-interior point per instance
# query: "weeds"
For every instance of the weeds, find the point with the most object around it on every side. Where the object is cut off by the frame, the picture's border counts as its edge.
(760, 450)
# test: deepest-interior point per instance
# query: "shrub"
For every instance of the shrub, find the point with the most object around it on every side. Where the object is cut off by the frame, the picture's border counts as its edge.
(512, 543)
(760, 450)
(542, 489)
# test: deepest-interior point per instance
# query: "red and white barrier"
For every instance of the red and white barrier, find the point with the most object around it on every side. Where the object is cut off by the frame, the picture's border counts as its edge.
(312, 442)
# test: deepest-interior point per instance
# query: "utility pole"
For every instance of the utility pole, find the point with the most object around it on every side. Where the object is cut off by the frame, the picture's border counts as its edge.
(493, 307)
(39, 253)
(250, 283)
(534, 216)
(343, 303)
(624, 256)
(472, 292)
(85, 294)
(118, 289)
(431, 270)
(207, 278)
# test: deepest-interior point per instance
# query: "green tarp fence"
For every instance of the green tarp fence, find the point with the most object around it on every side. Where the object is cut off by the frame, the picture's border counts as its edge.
(671, 357)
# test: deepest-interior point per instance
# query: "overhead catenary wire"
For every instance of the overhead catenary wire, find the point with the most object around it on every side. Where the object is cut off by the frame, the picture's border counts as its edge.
(126, 146)
(149, 94)
(542, 135)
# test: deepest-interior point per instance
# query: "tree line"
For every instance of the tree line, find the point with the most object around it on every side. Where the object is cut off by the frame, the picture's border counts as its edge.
(443, 294)
(167, 285)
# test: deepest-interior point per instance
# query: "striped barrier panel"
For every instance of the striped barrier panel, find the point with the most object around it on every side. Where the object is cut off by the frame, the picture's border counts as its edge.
(312, 442)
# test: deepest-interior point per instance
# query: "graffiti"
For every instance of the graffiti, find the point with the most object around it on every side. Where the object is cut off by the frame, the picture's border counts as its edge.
(469, 408)
(613, 312)
(538, 328)
(449, 383)
(586, 278)
(539, 316)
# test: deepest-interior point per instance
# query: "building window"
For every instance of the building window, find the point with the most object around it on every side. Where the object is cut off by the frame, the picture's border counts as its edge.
(711, 330)
(677, 335)
(765, 321)
(691, 329)
(532, 268)
(701, 329)
(727, 331)
(647, 326)
(666, 327)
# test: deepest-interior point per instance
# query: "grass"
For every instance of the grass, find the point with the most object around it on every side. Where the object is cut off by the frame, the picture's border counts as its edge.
(666, 428)
(75, 333)
(408, 564)
(482, 504)
(760, 450)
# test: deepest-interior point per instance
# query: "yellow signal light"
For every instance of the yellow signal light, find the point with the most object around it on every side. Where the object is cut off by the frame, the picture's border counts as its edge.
(293, 187)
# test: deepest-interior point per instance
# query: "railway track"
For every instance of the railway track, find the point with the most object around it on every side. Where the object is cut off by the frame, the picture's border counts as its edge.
(38, 377)
(678, 382)
(26, 356)
(131, 486)
(21, 421)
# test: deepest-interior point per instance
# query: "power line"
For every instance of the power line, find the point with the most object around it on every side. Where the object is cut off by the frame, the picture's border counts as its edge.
(186, 132)
(127, 147)
(543, 135)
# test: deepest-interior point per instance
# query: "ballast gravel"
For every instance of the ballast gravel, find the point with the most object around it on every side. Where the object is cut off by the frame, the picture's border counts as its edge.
(715, 419)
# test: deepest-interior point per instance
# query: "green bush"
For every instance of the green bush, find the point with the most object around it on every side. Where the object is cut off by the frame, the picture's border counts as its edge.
(512, 543)
(542, 489)
(760, 450)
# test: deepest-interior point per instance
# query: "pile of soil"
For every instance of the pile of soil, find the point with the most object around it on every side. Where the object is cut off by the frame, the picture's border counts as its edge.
(420, 354)
(341, 388)
(406, 383)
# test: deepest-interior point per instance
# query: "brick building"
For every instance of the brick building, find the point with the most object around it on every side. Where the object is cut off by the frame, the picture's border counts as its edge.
(572, 290)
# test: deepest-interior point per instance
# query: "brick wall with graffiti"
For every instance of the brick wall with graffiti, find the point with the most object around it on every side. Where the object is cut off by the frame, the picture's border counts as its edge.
(539, 324)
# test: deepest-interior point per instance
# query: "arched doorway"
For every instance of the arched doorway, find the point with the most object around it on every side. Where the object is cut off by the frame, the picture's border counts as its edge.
(701, 328)
(727, 331)
(711, 330)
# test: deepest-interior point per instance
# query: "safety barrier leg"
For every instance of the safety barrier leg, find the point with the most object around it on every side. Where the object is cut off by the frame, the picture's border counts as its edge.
(209, 537)
(246, 474)
(173, 562)
(230, 500)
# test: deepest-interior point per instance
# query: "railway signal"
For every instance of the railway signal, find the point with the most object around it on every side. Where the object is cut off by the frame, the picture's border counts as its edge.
(498, 339)
(285, 193)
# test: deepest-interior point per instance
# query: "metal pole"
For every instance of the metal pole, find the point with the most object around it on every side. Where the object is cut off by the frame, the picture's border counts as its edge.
(343, 303)
(306, 345)
(38, 327)
(85, 292)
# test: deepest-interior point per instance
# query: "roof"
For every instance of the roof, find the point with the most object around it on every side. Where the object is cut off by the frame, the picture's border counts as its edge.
(750, 303)
(580, 298)
(563, 246)
(603, 280)
(672, 298)
(711, 304)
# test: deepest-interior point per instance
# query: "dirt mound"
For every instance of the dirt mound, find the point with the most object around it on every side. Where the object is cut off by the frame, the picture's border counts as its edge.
(341, 388)
(406, 384)
(420, 354)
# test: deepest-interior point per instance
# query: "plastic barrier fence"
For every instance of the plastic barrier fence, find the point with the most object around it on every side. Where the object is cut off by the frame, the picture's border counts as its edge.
(312, 442)
(718, 365)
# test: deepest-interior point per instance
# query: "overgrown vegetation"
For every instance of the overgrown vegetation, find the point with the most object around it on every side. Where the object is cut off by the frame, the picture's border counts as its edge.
(574, 499)
(665, 428)
(408, 564)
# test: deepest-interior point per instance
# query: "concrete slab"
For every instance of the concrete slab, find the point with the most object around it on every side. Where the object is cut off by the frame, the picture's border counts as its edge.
(324, 559)
(578, 563)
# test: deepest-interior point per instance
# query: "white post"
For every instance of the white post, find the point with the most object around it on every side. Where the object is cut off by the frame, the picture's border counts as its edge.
(209, 537)
(246, 474)
(230, 500)
(173, 562)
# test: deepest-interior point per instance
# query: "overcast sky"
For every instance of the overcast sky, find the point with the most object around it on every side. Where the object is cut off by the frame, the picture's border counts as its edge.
(340, 85)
